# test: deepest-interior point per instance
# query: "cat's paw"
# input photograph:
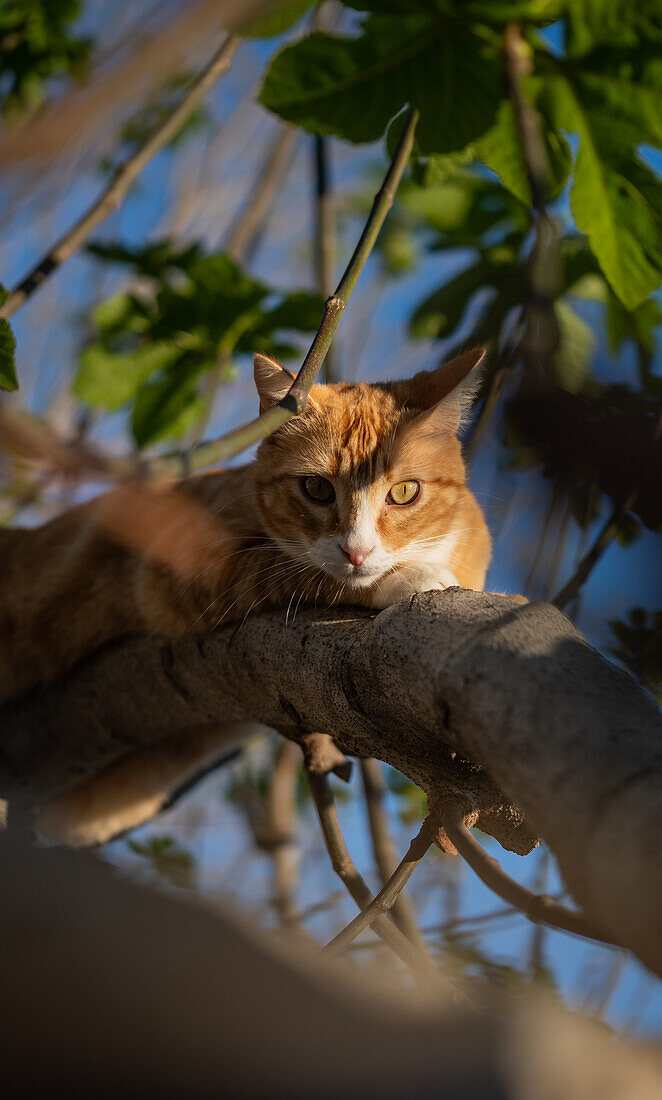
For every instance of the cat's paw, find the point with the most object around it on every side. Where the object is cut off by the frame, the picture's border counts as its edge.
(404, 583)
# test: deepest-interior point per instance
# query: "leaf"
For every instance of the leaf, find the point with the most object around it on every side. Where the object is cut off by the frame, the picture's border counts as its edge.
(278, 17)
(109, 380)
(8, 379)
(320, 82)
(622, 227)
(620, 22)
(442, 311)
(167, 408)
(501, 150)
(576, 346)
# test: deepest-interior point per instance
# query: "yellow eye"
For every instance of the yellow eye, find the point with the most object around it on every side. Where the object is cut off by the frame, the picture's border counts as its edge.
(404, 492)
(318, 489)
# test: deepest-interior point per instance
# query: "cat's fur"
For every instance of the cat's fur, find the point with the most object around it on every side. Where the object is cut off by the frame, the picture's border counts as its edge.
(261, 543)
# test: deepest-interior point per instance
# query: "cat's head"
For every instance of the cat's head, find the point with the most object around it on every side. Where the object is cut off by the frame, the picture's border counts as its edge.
(370, 475)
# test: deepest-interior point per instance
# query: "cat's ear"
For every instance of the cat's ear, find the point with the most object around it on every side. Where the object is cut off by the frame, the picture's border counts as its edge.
(445, 394)
(272, 380)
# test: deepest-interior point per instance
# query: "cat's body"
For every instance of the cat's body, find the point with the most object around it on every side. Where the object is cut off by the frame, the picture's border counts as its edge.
(361, 500)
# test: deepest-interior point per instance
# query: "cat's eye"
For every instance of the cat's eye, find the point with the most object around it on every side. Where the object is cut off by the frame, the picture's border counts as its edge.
(318, 489)
(404, 492)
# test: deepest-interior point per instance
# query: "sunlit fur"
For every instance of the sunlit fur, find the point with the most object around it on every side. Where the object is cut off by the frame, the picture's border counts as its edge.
(130, 563)
(364, 439)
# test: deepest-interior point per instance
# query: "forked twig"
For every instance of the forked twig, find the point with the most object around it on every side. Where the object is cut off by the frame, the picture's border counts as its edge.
(387, 896)
(535, 906)
(425, 972)
(383, 846)
(122, 179)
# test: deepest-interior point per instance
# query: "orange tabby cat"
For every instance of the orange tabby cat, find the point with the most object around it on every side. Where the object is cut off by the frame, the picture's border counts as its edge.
(362, 499)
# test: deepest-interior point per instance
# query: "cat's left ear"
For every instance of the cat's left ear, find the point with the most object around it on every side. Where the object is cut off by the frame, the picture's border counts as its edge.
(445, 394)
(272, 380)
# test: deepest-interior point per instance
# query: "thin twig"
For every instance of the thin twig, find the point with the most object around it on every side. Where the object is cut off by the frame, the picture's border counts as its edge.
(389, 892)
(383, 846)
(536, 907)
(346, 870)
(122, 179)
(281, 825)
(324, 236)
(244, 233)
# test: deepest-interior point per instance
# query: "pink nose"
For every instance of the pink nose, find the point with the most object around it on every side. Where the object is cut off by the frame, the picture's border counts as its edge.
(358, 555)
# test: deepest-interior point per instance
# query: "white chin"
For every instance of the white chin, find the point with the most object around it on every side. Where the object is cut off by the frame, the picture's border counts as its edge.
(362, 580)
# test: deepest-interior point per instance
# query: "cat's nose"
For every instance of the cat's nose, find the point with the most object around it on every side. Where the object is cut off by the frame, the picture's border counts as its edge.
(356, 555)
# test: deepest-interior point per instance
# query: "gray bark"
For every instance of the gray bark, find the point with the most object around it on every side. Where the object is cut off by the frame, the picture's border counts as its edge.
(473, 697)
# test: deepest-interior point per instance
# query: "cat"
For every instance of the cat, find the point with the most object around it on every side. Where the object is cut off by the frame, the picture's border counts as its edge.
(362, 499)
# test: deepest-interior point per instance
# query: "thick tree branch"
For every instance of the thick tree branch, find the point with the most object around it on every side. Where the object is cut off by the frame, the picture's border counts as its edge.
(122, 179)
(479, 701)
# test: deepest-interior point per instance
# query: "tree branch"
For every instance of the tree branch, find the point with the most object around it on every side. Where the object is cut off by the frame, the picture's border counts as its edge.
(345, 868)
(536, 907)
(383, 845)
(478, 700)
(294, 402)
(122, 179)
(389, 893)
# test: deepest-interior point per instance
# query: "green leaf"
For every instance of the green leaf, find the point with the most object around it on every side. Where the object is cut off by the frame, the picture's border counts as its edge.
(166, 409)
(352, 87)
(608, 202)
(501, 150)
(576, 346)
(592, 23)
(279, 16)
(8, 379)
(109, 380)
(442, 311)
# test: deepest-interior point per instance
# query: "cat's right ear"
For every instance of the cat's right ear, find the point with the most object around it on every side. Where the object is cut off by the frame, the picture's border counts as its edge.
(272, 380)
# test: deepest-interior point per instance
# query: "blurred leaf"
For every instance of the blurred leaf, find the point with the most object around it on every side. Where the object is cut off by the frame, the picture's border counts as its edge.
(167, 860)
(576, 346)
(37, 41)
(501, 150)
(638, 325)
(195, 312)
(615, 199)
(108, 380)
(318, 82)
(276, 19)
(592, 23)
(8, 379)
(638, 644)
(168, 407)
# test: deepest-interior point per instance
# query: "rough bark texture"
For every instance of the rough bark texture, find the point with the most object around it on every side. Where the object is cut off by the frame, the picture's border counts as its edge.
(427, 685)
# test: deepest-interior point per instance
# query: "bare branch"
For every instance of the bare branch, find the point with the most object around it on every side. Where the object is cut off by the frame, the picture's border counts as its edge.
(535, 906)
(324, 234)
(346, 870)
(122, 179)
(383, 846)
(389, 893)
(243, 235)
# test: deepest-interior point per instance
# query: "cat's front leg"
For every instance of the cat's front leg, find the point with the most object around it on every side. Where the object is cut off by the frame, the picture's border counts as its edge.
(409, 580)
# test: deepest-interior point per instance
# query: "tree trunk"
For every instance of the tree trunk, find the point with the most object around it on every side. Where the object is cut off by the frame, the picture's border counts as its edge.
(468, 694)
